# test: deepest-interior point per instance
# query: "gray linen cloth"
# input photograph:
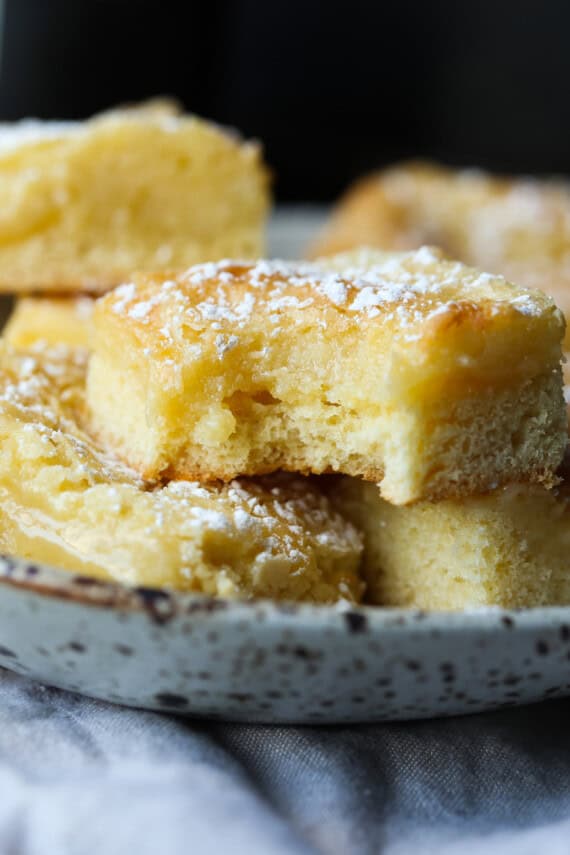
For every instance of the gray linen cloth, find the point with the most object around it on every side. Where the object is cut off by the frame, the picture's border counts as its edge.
(81, 777)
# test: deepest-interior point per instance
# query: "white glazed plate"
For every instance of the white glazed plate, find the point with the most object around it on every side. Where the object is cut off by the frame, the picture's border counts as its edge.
(270, 662)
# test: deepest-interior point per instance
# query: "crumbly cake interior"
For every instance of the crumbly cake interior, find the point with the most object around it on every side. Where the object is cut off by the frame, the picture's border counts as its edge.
(414, 371)
(507, 548)
(66, 502)
(83, 204)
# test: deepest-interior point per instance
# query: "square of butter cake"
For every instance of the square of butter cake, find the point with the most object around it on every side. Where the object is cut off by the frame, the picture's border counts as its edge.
(82, 204)
(509, 547)
(50, 321)
(67, 502)
(413, 371)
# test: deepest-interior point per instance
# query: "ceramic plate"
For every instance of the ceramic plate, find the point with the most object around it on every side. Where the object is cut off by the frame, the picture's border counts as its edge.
(273, 663)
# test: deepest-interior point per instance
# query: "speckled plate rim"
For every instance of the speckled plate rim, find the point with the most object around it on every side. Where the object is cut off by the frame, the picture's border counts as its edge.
(273, 662)
(163, 605)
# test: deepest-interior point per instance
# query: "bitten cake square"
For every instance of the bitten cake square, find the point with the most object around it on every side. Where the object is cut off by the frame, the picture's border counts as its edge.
(65, 501)
(413, 371)
(509, 547)
(82, 204)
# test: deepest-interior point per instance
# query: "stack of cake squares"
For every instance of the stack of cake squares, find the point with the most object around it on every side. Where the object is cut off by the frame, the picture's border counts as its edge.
(381, 426)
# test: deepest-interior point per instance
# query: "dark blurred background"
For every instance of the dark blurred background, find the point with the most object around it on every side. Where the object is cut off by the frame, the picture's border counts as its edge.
(333, 89)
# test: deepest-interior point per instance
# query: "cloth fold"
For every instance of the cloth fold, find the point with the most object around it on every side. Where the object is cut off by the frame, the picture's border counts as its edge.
(79, 776)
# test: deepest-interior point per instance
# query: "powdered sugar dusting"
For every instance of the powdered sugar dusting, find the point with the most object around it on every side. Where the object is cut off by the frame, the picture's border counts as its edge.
(401, 288)
(124, 295)
(335, 290)
(30, 131)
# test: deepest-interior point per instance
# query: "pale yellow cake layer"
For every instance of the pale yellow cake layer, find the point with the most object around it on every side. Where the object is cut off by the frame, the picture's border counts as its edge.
(65, 501)
(519, 227)
(50, 321)
(53, 321)
(411, 370)
(509, 548)
(83, 204)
